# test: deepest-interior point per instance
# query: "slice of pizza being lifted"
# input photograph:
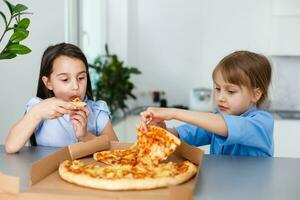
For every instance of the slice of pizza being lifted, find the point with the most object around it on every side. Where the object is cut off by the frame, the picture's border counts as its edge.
(155, 145)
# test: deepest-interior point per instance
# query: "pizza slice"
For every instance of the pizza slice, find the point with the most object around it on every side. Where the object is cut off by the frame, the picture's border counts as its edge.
(78, 103)
(155, 145)
(126, 177)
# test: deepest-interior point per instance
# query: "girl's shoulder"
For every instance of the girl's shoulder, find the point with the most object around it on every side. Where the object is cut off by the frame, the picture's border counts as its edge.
(260, 114)
(97, 106)
(32, 102)
(258, 111)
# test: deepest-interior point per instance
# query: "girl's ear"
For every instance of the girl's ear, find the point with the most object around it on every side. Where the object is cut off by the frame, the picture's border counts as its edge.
(257, 93)
(47, 82)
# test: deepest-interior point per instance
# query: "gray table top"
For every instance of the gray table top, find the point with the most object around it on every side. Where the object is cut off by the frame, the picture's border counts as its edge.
(221, 177)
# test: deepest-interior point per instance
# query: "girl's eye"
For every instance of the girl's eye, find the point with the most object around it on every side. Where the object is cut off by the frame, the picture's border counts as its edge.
(81, 78)
(217, 89)
(231, 92)
(64, 80)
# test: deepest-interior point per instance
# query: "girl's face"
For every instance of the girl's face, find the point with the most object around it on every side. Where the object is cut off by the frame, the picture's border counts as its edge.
(233, 99)
(68, 79)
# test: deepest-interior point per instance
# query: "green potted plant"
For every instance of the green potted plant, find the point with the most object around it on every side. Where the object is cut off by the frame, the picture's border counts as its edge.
(112, 81)
(18, 26)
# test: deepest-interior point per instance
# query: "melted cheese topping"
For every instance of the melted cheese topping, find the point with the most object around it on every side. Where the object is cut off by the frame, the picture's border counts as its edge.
(138, 171)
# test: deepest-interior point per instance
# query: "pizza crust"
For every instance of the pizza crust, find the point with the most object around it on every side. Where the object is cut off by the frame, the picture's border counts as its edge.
(86, 180)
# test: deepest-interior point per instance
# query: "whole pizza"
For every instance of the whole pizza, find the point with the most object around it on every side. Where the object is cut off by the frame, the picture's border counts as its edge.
(139, 167)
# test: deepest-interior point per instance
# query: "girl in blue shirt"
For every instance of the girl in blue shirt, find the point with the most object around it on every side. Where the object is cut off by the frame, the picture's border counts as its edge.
(238, 127)
(50, 118)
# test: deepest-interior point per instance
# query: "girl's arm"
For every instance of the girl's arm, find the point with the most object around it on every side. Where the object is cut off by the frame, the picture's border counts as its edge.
(21, 132)
(208, 121)
(50, 108)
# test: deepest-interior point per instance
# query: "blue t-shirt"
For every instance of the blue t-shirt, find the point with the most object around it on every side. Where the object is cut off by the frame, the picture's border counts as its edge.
(250, 134)
(60, 132)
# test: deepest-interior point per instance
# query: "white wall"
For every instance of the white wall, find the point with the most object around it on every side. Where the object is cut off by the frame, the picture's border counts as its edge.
(19, 76)
(177, 43)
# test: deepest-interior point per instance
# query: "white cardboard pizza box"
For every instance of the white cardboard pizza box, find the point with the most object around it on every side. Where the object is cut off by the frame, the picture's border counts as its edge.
(47, 184)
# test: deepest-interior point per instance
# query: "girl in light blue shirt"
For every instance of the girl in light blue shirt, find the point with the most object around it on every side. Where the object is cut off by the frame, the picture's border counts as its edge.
(239, 126)
(51, 119)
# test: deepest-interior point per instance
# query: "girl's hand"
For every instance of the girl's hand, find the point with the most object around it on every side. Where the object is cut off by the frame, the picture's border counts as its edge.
(79, 118)
(157, 117)
(51, 108)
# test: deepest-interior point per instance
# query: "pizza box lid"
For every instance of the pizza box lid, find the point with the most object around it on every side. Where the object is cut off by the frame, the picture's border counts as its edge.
(48, 164)
(46, 183)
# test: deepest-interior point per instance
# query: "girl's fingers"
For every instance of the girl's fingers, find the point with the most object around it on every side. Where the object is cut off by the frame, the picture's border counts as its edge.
(75, 122)
(81, 119)
(62, 110)
(86, 110)
(81, 113)
(65, 104)
(141, 127)
(145, 116)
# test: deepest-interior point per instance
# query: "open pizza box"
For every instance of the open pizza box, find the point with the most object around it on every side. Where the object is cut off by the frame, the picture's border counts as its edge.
(47, 184)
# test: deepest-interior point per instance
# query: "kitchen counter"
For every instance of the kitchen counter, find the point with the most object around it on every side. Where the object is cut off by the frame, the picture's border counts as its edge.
(221, 177)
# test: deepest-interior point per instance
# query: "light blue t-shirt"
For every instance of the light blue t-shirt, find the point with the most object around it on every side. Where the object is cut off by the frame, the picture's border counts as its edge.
(60, 132)
(250, 134)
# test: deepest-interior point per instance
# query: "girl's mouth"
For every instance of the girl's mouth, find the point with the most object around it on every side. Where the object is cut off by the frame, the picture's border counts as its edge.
(74, 97)
(222, 108)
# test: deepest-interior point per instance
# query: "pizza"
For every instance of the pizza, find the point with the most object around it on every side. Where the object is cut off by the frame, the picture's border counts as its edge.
(118, 157)
(78, 103)
(126, 177)
(138, 167)
(155, 145)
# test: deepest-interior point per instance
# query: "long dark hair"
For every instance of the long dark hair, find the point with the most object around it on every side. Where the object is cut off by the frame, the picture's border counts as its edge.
(50, 54)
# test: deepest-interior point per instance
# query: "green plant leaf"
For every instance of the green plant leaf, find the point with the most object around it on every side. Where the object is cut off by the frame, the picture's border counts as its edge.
(19, 8)
(21, 13)
(134, 70)
(7, 55)
(4, 18)
(19, 35)
(18, 49)
(112, 83)
(10, 6)
(24, 23)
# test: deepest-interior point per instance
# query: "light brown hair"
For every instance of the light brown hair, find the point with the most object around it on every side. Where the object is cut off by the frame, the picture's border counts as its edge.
(245, 68)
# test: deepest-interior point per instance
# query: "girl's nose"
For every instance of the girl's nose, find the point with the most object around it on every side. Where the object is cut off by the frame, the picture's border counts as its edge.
(221, 96)
(75, 85)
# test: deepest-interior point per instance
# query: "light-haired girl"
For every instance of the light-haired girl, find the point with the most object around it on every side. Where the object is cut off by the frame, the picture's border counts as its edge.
(239, 126)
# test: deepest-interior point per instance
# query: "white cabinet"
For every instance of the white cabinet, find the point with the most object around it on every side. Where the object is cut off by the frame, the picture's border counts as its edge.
(126, 129)
(284, 31)
(287, 138)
